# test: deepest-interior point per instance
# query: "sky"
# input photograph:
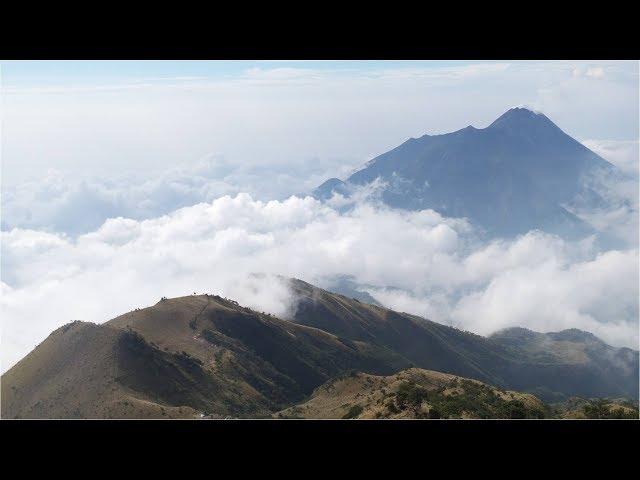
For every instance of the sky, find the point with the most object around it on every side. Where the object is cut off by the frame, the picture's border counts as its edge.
(126, 181)
(96, 118)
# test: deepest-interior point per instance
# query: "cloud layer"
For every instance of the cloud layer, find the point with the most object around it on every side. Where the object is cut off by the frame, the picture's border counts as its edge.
(81, 243)
(418, 262)
(57, 203)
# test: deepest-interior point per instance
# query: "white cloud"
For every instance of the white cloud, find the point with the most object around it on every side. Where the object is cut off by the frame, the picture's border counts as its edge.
(589, 71)
(595, 295)
(595, 72)
(618, 217)
(434, 264)
(622, 153)
(537, 281)
(56, 203)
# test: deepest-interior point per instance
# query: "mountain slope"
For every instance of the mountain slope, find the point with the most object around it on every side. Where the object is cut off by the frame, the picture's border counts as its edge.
(421, 342)
(554, 372)
(602, 408)
(414, 393)
(568, 361)
(84, 370)
(200, 354)
(511, 177)
(203, 355)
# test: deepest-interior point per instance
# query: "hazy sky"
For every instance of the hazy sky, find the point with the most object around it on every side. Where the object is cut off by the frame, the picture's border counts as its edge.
(126, 181)
(97, 118)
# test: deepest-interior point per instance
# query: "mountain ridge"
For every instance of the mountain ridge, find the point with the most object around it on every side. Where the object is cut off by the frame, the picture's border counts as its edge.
(207, 355)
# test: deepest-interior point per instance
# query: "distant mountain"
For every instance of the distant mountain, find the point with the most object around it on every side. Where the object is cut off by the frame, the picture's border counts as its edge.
(566, 363)
(204, 355)
(591, 367)
(515, 175)
(347, 286)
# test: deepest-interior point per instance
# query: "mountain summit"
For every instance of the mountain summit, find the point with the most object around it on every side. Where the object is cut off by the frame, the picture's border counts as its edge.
(523, 118)
(519, 173)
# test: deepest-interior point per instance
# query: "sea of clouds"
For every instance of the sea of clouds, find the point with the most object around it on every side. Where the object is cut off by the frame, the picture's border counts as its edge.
(418, 262)
(75, 205)
(83, 243)
(93, 249)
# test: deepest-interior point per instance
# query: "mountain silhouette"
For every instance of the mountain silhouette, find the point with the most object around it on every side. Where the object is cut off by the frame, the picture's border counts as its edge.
(519, 173)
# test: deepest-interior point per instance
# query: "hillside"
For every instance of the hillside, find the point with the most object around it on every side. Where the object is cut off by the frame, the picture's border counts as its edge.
(568, 361)
(414, 393)
(418, 341)
(553, 366)
(84, 370)
(518, 174)
(201, 353)
(204, 355)
(601, 408)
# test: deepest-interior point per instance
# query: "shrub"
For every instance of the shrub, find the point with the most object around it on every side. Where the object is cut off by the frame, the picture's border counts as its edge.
(353, 412)
(601, 408)
(434, 413)
(392, 408)
(410, 395)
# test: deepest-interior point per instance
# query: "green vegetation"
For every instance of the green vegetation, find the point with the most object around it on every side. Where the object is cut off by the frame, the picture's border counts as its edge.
(603, 408)
(237, 362)
(470, 398)
(353, 412)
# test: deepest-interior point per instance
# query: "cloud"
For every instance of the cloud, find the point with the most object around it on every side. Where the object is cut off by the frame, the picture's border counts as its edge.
(591, 72)
(594, 295)
(419, 262)
(56, 203)
(617, 217)
(595, 72)
(537, 281)
(622, 153)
